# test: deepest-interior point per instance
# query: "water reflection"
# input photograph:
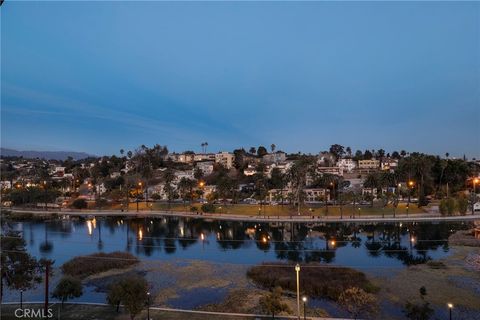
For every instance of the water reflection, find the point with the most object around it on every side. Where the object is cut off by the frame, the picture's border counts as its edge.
(248, 242)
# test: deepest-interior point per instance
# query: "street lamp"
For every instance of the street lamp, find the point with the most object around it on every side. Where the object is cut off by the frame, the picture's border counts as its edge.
(304, 299)
(21, 298)
(410, 187)
(474, 196)
(450, 307)
(45, 193)
(297, 270)
(148, 305)
(138, 192)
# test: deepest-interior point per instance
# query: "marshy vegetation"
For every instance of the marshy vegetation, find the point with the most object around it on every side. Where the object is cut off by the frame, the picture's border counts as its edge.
(84, 266)
(316, 280)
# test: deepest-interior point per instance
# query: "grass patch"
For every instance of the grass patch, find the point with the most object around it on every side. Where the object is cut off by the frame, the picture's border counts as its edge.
(84, 266)
(317, 210)
(316, 280)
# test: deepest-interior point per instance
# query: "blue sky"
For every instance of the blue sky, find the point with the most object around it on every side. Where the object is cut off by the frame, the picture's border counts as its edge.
(100, 76)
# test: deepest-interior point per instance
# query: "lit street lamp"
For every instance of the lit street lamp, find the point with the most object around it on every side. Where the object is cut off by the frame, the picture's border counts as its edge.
(148, 305)
(21, 298)
(138, 192)
(474, 195)
(450, 307)
(304, 299)
(297, 269)
(410, 187)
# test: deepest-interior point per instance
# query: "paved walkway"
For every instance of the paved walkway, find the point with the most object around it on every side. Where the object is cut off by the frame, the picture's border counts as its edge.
(225, 314)
(418, 217)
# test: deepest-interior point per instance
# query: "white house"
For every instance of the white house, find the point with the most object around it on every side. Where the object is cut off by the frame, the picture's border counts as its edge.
(205, 166)
(249, 171)
(316, 194)
(274, 157)
(346, 164)
(389, 164)
(476, 206)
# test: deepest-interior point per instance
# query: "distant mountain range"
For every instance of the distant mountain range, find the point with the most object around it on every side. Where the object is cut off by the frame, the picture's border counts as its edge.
(48, 155)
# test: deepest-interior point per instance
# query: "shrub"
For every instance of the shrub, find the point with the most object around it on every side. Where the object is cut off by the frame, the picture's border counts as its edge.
(208, 207)
(155, 196)
(84, 266)
(193, 209)
(358, 303)
(68, 288)
(462, 205)
(131, 292)
(443, 207)
(447, 206)
(450, 206)
(272, 302)
(80, 204)
(321, 281)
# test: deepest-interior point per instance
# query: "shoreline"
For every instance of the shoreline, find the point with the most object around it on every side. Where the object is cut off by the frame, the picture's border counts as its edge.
(414, 217)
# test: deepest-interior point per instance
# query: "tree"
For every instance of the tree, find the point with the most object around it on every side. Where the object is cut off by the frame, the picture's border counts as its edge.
(367, 155)
(80, 203)
(272, 147)
(114, 295)
(462, 205)
(185, 187)
(297, 176)
(358, 303)
(252, 150)
(337, 150)
(261, 151)
(130, 291)
(349, 152)
(358, 155)
(272, 302)
(372, 181)
(68, 288)
(19, 270)
(419, 311)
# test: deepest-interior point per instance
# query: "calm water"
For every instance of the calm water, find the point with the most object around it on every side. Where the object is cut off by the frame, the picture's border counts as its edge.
(373, 248)
(360, 246)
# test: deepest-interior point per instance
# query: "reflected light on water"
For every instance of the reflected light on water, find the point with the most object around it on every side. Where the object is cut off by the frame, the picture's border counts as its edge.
(89, 227)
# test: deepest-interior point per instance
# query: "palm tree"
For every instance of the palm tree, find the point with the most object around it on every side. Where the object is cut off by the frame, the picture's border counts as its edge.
(371, 182)
(272, 147)
(297, 175)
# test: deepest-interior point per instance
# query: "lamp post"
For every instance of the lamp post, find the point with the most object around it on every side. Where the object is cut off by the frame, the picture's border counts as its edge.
(148, 305)
(138, 192)
(21, 298)
(304, 299)
(297, 270)
(474, 195)
(45, 193)
(450, 307)
(410, 187)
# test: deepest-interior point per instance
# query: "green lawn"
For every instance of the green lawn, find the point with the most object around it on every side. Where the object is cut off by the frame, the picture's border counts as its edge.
(285, 210)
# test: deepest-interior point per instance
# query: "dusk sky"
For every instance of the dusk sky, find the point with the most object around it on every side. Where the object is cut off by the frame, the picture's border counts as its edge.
(101, 76)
